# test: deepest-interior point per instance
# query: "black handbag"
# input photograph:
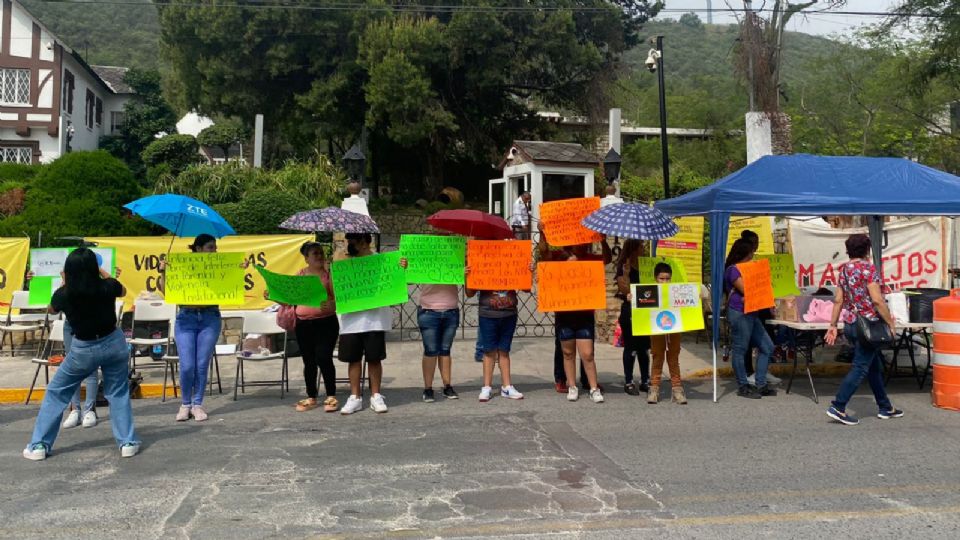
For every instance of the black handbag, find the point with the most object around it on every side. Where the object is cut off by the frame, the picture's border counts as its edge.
(874, 334)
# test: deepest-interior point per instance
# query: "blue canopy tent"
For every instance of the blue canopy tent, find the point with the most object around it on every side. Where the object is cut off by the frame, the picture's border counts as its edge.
(804, 185)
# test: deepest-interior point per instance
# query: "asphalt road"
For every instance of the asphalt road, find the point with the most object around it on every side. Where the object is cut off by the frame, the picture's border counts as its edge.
(537, 468)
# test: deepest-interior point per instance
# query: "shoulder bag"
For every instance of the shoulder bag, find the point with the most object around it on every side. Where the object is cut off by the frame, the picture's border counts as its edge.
(875, 334)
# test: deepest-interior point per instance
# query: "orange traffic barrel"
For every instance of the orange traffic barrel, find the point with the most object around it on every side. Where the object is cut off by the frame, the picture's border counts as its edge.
(946, 352)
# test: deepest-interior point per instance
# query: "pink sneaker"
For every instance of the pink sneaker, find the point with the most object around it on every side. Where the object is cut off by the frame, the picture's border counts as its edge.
(198, 413)
(183, 414)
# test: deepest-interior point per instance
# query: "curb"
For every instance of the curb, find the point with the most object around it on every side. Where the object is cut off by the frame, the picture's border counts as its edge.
(9, 396)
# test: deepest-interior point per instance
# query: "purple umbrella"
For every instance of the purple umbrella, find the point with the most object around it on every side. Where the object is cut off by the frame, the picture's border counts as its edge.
(330, 219)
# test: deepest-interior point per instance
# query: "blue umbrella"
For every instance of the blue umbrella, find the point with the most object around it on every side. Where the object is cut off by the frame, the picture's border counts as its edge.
(631, 220)
(181, 215)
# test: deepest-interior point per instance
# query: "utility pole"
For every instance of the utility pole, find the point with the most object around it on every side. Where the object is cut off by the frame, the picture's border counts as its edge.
(709, 12)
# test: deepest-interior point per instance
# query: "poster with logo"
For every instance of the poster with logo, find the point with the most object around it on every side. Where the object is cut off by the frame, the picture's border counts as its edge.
(686, 246)
(666, 308)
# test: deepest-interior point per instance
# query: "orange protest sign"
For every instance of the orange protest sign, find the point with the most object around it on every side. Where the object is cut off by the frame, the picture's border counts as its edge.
(571, 286)
(499, 265)
(561, 221)
(757, 285)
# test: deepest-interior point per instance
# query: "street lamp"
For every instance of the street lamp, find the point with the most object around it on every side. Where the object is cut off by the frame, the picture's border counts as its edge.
(355, 163)
(655, 64)
(611, 166)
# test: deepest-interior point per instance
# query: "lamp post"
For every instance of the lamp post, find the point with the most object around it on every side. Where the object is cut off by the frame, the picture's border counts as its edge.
(355, 163)
(655, 63)
(611, 166)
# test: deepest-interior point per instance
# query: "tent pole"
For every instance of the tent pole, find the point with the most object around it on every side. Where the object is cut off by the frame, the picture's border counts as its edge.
(875, 226)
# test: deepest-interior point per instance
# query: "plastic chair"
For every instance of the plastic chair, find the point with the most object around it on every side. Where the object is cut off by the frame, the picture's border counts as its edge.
(43, 360)
(172, 366)
(146, 311)
(23, 323)
(261, 323)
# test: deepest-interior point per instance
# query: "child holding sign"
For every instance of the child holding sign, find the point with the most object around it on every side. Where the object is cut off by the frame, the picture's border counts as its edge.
(746, 329)
(665, 347)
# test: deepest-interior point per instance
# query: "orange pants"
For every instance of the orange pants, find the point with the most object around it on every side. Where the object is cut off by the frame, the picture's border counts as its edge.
(665, 347)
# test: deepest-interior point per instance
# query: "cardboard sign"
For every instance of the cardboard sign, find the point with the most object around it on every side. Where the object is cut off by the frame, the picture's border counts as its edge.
(561, 221)
(686, 247)
(305, 290)
(782, 274)
(757, 285)
(762, 225)
(645, 266)
(42, 289)
(499, 265)
(674, 307)
(14, 253)
(571, 286)
(373, 281)
(201, 279)
(434, 259)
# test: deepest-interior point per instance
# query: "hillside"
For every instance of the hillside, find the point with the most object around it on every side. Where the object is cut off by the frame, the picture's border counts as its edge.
(105, 34)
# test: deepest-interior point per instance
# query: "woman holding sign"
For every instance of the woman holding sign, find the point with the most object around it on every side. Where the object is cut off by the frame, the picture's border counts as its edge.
(746, 329)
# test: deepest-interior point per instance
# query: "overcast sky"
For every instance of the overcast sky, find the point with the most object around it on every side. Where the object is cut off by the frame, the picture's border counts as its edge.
(820, 24)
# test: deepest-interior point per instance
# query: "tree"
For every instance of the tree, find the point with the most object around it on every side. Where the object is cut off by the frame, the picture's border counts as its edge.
(939, 22)
(223, 134)
(176, 151)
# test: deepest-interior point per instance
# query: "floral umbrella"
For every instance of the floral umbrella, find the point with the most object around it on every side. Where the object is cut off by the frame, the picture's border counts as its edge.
(330, 219)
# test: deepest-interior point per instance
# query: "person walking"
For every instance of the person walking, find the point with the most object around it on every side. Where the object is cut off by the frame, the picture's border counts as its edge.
(498, 320)
(87, 298)
(746, 329)
(665, 347)
(520, 219)
(633, 346)
(438, 317)
(859, 296)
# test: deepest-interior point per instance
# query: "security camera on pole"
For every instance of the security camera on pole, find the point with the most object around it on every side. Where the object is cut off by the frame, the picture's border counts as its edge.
(654, 63)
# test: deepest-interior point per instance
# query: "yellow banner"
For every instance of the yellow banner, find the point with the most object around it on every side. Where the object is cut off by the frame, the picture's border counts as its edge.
(686, 247)
(763, 226)
(138, 258)
(13, 265)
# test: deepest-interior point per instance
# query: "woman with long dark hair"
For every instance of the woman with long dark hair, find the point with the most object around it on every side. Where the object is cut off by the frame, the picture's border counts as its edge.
(87, 298)
(638, 346)
(746, 329)
(859, 293)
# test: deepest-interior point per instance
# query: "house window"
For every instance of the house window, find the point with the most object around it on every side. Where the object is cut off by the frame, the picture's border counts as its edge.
(69, 83)
(15, 86)
(90, 109)
(117, 119)
(16, 154)
(99, 112)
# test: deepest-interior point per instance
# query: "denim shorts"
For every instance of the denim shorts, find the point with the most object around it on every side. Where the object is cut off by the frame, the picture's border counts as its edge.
(496, 333)
(574, 325)
(438, 328)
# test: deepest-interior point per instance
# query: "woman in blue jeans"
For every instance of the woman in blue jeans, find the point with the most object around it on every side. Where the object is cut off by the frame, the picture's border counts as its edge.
(746, 329)
(196, 332)
(89, 408)
(860, 295)
(87, 299)
(438, 318)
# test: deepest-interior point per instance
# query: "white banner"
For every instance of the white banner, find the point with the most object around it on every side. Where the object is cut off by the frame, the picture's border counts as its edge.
(913, 256)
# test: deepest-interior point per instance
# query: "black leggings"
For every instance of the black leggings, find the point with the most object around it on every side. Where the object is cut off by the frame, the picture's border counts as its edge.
(317, 338)
(633, 344)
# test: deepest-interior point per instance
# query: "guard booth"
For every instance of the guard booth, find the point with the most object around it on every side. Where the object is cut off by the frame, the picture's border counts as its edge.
(550, 171)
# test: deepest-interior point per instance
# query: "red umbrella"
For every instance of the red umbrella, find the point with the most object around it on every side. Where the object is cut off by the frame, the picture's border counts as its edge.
(472, 223)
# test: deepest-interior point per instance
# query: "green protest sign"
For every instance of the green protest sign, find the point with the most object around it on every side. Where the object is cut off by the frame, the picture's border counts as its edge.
(361, 283)
(201, 279)
(434, 259)
(783, 275)
(645, 266)
(294, 290)
(42, 288)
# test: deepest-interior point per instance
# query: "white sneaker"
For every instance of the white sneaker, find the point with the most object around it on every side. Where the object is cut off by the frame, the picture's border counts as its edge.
(352, 405)
(485, 393)
(37, 452)
(596, 395)
(573, 393)
(751, 380)
(129, 450)
(773, 379)
(89, 419)
(73, 419)
(378, 404)
(510, 392)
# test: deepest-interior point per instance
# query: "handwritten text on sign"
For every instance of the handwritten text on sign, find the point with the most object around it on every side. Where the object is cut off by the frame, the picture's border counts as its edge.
(757, 285)
(561, 221)
(361, 283)
(499, 265)
(782, 274)
(305, 290)
(433, 259)
(570, 286)
(204, 279)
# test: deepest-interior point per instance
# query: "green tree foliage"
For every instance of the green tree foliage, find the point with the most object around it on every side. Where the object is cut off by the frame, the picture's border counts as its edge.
(79, 194)
(939, 22)
(213, 184)
(170, 155)
(263, 210)
(223, 134)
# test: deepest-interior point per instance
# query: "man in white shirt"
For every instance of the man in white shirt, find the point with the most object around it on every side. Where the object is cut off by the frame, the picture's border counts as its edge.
(520, 220)
(611, 198)
(355, 203)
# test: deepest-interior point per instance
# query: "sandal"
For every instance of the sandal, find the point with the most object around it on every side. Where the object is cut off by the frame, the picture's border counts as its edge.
(331, 404)
(307, 404)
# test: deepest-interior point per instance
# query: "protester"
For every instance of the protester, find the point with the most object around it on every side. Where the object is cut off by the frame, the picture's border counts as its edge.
(438, 317)
(633, 346)
(610, 196)
(859, 295)
(575, 329)
(665, 347)
(87, 298)
(520, 220)
(196, 332)
(498, 320)
(764, 315)
(746, 329)
(363, 337)
(317, 330)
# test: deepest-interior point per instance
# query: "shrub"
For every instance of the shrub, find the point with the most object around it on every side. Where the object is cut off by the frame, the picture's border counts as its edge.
(228, 211)
(263, 210)
(213, 184)
(224, 134)
(177, 151)
(319, 181)
(17, 172)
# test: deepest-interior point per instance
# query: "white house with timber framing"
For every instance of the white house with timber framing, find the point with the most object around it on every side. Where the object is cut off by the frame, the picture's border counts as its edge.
(51, 100)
